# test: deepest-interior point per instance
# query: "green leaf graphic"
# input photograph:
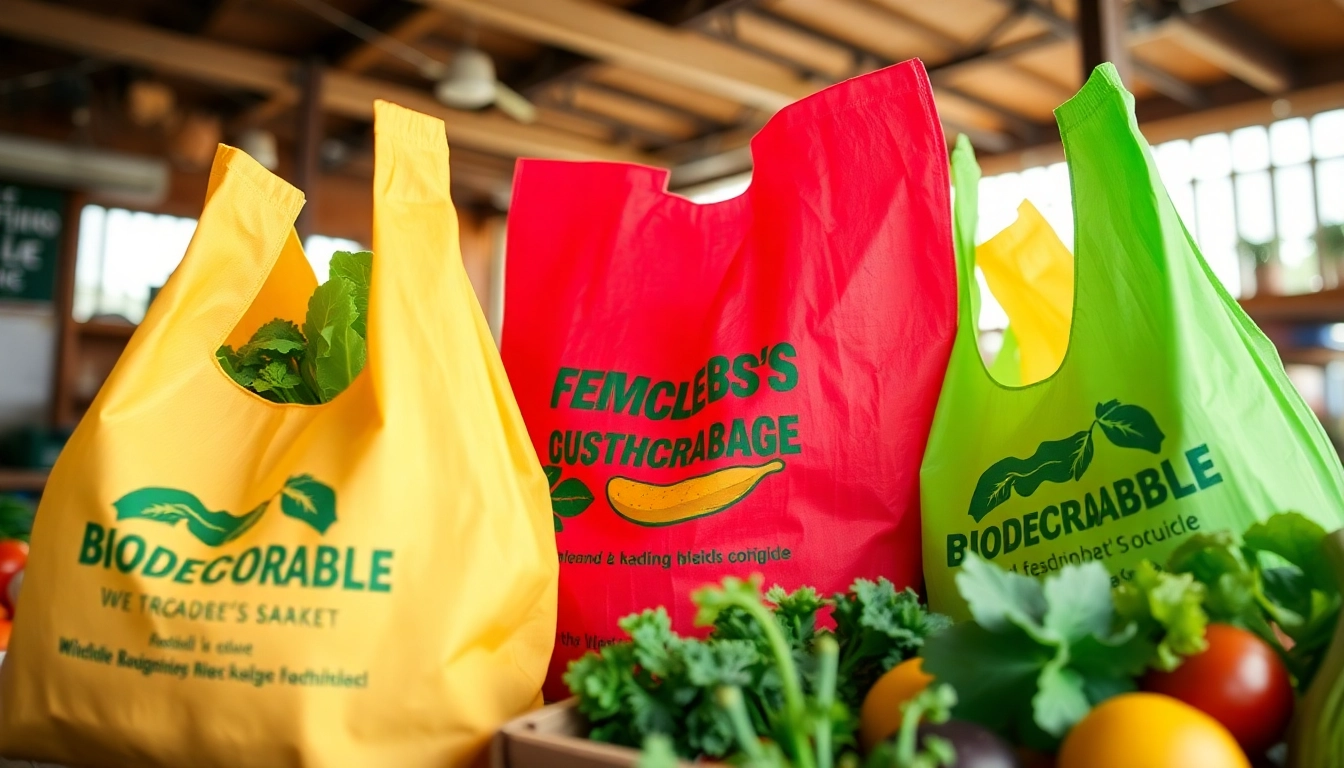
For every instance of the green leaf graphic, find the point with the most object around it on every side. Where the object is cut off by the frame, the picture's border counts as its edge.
(169, 505)
(306, 499)
(559, 526)
(1055, 461)
(570, 497)
(552, 475)
(1129, 426)
(1082, 454)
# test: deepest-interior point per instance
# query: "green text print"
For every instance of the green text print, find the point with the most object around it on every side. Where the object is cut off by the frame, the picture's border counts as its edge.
(1058, 461)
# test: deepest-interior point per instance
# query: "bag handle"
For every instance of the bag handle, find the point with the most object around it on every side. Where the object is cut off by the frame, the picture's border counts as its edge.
(1130, 244)
(244, 229)
(422, 308)
(965, 216)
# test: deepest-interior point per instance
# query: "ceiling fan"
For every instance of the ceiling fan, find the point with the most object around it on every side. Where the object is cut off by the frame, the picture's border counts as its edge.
(468, 81)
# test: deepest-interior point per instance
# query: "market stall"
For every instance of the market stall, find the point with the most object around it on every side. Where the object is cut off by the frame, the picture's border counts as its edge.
(784, 383)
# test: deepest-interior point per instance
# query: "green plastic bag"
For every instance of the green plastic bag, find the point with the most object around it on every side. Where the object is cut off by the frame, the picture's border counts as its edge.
(1170, 414)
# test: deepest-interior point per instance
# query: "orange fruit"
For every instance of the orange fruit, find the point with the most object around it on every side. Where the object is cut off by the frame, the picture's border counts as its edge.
(1149, 730)
(880, 716)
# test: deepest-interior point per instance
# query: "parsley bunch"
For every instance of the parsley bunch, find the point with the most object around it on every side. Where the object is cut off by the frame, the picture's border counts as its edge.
(765, 670)
(286, 365)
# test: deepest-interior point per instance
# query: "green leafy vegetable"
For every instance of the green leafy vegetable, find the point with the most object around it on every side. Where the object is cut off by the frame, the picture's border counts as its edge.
(1038, 655)
(932, 705)
(765, 671)
(335, 353)
(16, 518)
(1279, 576)
(1317, 738)
(877, 628)
(657, 753)
(357, 269)
(285, 365)
(1167, 609)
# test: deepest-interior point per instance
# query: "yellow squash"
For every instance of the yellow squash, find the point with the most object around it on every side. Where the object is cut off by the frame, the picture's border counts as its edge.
(649, 504)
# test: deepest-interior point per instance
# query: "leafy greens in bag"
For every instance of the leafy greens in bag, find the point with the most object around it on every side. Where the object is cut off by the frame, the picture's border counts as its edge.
(285, 365)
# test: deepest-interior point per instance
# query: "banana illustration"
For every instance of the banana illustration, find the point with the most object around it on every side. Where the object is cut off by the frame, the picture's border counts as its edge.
(655, 505)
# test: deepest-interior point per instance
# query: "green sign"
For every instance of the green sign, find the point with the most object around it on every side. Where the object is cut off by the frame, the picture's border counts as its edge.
(31, 223)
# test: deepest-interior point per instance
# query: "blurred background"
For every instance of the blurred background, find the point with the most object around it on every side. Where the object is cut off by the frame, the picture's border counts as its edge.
(110, 113)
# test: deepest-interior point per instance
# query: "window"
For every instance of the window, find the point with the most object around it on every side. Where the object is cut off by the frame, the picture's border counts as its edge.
(1269, 192)
(123, 255)
(319, 248)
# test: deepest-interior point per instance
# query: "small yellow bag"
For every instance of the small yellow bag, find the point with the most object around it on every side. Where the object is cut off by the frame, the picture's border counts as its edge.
(218, 580)
(1030, 272)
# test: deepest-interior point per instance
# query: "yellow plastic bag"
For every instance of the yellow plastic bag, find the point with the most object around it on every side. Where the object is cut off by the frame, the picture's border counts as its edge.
(218, 580)
(1030, 272)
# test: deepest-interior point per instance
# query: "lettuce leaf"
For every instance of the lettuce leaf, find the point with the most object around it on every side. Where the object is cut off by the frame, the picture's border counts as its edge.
(1167, 609)
(335, 353)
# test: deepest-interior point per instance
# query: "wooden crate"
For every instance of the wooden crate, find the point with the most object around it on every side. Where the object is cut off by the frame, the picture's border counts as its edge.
(554, 737)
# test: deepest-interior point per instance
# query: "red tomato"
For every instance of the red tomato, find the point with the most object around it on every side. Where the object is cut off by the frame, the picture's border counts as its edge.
(13, 557)
(5, 628)
(1238, 681)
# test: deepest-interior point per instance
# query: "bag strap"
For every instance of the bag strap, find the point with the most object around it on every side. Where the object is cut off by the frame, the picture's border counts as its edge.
(1131, 249)
(965, 217)
(424, 318)
(245, 225)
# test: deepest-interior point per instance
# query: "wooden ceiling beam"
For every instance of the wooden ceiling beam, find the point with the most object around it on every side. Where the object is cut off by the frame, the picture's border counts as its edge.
(1242, 53)
(1218, 119)
(1170, 85)
(987, 138)
(343, 93)
(363, 58)
(1210, 34)
(130, 43)
(409, 30)
(619, 37)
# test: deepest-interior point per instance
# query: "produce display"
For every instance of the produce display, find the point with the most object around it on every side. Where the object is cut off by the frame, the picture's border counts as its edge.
(1101, 586)
(16, 524)
(286, 365)
(771, 653)
(1195, 662)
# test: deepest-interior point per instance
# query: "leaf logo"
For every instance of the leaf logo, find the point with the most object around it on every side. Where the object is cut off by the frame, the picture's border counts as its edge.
(569, 497)
(1059, 461)
(301, 497)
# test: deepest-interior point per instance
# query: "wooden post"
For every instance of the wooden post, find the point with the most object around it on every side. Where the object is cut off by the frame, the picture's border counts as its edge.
(1101, 34)
(307, 149)
(63, 412)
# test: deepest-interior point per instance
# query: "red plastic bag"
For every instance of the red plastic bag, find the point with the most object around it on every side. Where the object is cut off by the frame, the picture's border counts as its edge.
(775, 359)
